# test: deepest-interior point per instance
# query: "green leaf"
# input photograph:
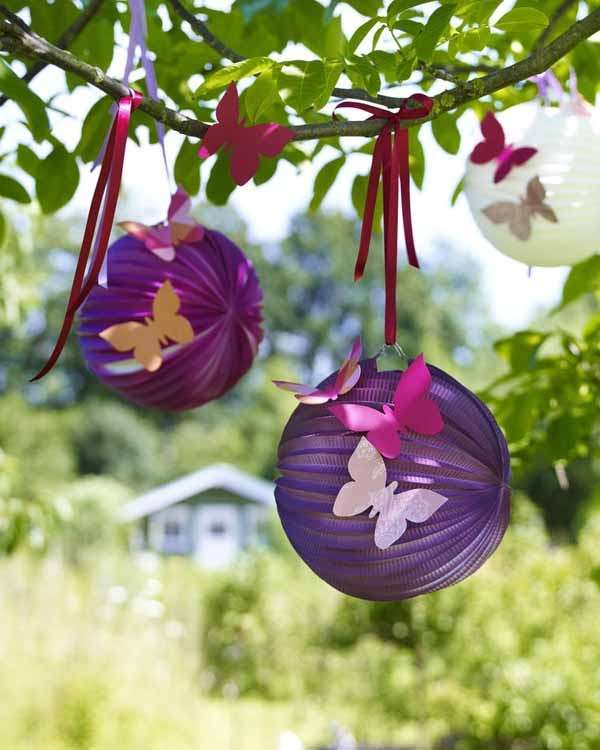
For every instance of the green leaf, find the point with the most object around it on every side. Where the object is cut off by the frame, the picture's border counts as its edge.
(265, 171)
(187, 167)
(10, 188)
(446, 133)
(477, 11)
(583, 278)
(397, 6)
(335, 41)
(360, 34)
(363, 72)
(3, 229)
(523, 19)
(359, 193)
(412, 28)
(309, 84)
(28, 160)
(220, 185)
(57, 179)
(437, 24)
(416, 158)
(521, 349)
(365, 7)
(324, 180)
(94, 130)
(457, 191)
(29, 103)
(261, 95)
(233, 72)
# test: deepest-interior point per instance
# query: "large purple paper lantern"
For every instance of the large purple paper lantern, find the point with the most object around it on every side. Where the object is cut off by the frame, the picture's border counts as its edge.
(220, 297)
(467, 462)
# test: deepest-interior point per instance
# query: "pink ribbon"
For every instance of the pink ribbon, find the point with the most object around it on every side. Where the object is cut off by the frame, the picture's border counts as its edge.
(107, 188)
(391, 163)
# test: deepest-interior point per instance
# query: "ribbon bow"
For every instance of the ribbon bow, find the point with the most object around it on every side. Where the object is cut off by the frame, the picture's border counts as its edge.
(390, 161)
(109, 181)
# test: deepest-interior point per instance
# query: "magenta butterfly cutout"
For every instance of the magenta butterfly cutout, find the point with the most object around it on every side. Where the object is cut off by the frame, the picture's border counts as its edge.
(162, 239)
(369, 490)
(494, 146)
(411, 411)
(347, 377)
(518, 216)
(245, 144)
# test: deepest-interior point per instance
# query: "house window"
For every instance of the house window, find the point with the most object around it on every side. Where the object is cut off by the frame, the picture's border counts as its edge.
(172, 529)
(217, 528)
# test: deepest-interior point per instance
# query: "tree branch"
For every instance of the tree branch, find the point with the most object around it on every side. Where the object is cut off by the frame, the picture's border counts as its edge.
(203, 31)
(64, 42)
(18, 39)
(555, 19)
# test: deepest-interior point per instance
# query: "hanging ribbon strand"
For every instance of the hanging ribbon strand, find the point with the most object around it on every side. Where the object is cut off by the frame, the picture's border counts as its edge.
(107, 188)
(390, 165)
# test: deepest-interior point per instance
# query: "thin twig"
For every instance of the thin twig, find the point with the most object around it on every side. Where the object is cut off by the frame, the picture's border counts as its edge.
(555, 19)
(203, 31)
(63, 42)
(21, 41)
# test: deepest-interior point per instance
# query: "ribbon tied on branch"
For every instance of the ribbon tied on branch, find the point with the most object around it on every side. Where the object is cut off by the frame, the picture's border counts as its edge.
(390, 164)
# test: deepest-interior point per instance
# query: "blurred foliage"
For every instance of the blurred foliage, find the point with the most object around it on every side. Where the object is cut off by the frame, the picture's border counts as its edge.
(154, 656)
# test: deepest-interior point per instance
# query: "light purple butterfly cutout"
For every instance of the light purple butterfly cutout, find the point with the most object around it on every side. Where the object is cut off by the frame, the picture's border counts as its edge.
(518, 216)
(368, 490)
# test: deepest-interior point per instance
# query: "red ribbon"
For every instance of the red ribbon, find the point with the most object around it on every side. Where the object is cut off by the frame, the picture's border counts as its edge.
(390, 162)
(109, 182)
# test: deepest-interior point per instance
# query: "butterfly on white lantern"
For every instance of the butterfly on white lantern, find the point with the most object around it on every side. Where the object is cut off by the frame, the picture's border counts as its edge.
(370, 490)
(554, 194)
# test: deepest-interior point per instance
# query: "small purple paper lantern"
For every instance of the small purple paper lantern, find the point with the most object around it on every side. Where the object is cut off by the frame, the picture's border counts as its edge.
(221, 298)
(468, 462)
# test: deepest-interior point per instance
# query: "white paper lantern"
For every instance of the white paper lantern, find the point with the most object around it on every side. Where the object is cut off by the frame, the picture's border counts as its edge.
(567, 228)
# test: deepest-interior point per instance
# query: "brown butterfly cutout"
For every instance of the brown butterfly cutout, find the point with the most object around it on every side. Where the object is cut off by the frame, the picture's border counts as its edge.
(147, 338)
(518, 215)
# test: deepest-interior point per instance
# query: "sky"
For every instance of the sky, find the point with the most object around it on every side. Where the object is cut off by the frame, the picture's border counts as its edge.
(514, 296)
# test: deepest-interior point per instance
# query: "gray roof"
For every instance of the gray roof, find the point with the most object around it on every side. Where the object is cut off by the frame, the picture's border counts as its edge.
(218, 476)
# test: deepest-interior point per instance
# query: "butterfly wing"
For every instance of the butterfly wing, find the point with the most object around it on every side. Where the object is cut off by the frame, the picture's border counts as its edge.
(147, 350)
(501, 212)
(349, 372)
(520, 224)
(306, 394)
(123, 336)
(368, 469)
(391, 523)
(522, 155)
(180, 205)
(177, 329)
(419, 505)
(166, 302)
(270, 138)
(493, 143)
(141, 338)
(381, 430)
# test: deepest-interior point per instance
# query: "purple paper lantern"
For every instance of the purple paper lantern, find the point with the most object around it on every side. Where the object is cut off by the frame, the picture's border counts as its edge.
(468, 463)
(221, 298)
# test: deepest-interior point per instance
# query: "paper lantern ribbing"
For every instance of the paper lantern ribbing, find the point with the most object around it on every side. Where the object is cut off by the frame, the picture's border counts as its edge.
(467, 463)
(544, 212)
(217, 293)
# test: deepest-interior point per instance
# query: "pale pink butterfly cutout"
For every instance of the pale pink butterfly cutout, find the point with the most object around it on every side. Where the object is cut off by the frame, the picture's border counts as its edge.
(411, 411)
(163, 239)
(368, 490)
(346, 379)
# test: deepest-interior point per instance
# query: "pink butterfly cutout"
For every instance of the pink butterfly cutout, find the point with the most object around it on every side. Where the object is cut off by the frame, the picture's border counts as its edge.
(494, 146)
(411, 411)
(162, 239)
(369, 490)
(244, 143)
(347, 377)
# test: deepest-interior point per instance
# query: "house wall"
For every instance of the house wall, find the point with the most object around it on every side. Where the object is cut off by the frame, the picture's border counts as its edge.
(213, 528)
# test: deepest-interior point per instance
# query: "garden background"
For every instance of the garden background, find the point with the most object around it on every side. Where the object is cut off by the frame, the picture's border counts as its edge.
(99, 650)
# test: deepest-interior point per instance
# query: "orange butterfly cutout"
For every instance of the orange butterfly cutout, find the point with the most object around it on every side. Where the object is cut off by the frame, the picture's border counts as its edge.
(147, 338)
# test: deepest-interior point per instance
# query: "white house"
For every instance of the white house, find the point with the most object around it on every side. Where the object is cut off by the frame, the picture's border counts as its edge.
(211, 515)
